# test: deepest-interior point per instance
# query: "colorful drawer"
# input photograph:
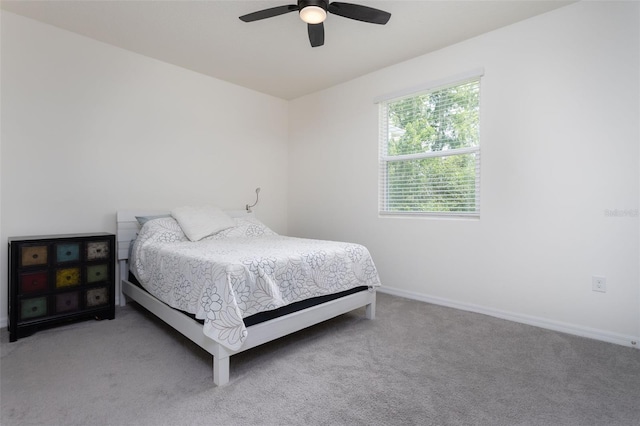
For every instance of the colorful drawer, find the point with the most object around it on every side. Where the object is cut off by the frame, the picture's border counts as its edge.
(34, 255)
(60, 278)
(68, 302)
(67, 277)
(97, 273)
(33, 308)
(98, 296)
(97, 250)
(67, 252)
(34, 282)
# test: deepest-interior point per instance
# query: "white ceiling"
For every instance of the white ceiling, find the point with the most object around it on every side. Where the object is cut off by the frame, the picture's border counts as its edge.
(273, 56)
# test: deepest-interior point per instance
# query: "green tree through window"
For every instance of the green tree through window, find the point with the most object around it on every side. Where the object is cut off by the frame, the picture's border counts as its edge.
(430, 151)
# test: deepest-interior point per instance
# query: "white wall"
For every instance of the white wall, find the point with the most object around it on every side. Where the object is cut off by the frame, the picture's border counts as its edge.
(88, 129)
(560, 147)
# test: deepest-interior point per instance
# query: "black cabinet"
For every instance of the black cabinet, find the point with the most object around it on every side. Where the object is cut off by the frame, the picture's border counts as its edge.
(60, 278)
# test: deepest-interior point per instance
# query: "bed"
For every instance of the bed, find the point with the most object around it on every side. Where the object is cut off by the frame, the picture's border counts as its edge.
(241, 287)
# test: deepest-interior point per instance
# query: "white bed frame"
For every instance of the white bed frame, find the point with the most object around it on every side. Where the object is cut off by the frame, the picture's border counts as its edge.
(127, 227)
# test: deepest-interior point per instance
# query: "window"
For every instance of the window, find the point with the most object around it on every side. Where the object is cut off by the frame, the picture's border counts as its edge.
(430, 151)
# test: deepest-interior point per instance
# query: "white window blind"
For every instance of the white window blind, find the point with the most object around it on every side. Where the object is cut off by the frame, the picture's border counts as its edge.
(430, 151)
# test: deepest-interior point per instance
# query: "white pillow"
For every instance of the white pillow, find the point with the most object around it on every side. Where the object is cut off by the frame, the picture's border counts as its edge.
(202, 221)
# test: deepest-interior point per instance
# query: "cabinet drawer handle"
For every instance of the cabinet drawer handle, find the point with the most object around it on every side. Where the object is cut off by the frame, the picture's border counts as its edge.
(35, 256)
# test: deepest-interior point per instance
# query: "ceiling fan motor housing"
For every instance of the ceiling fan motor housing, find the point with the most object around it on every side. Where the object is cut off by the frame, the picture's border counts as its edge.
(319, 3)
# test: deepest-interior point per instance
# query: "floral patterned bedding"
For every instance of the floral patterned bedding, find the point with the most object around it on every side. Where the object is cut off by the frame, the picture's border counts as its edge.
(241, 271)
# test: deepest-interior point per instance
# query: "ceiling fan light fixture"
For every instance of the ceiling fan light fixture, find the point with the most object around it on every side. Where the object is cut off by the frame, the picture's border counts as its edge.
(313, 14)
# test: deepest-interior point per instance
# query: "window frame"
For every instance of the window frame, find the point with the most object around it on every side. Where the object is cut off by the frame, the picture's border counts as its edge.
(383, 144)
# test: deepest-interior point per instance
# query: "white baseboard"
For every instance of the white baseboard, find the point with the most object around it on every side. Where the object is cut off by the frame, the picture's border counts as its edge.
(592, 333)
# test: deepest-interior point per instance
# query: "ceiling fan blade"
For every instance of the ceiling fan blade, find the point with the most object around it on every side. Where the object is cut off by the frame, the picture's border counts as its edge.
(359, 13)
(316, 34)
(269, 13)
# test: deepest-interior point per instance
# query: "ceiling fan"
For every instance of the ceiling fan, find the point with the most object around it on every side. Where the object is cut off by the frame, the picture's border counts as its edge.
(314, 12)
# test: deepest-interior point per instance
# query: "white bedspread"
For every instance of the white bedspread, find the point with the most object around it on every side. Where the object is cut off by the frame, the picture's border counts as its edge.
(242, 271)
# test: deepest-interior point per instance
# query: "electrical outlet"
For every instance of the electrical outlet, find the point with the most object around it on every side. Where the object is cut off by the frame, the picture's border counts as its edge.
(599, 284)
